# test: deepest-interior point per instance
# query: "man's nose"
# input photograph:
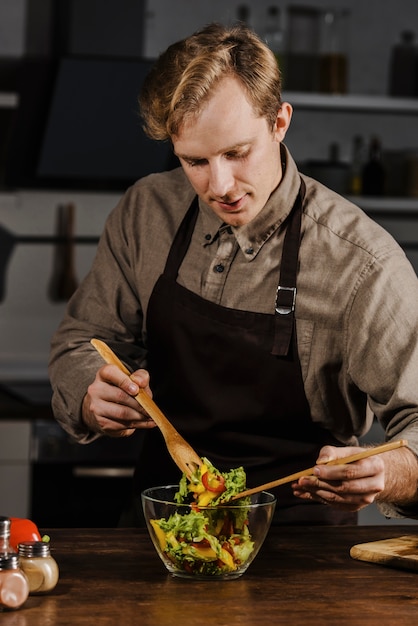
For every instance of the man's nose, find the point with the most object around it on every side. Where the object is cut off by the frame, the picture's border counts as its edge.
(221, 179)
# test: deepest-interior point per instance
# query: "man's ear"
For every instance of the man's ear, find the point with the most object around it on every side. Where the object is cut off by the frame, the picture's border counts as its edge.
(284, 116)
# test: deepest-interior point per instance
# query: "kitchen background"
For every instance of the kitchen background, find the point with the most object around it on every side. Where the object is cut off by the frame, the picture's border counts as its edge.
(67, 58)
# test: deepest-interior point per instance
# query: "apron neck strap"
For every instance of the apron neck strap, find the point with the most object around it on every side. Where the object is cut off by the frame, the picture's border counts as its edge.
(182, 240)
(286, 290)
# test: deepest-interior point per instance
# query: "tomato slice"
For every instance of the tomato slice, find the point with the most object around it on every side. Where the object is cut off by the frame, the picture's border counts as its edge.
(213, 483)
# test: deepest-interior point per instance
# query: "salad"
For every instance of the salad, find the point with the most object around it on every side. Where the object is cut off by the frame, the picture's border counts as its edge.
(202, 537)
(208, 486)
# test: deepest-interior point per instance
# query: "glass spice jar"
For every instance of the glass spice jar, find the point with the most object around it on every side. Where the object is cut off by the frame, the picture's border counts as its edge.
(14, 585)
(39, 566)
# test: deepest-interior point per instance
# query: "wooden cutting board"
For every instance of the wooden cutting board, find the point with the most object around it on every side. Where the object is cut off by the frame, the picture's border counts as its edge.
(401, 552)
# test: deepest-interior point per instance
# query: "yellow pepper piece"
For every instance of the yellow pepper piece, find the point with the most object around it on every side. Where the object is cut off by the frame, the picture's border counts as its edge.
(171, 539)
(199, 488)
(206, 497)
(160, 534)
(205, 553)
(226, 558)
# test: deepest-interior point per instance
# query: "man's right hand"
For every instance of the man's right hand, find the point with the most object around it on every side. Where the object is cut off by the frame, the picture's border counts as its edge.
(109, 406)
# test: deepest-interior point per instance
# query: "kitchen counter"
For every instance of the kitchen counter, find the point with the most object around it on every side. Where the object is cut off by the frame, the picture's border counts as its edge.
(302, 575)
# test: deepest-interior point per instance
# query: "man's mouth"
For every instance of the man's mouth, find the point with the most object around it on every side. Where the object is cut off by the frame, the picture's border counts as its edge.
(231, 205)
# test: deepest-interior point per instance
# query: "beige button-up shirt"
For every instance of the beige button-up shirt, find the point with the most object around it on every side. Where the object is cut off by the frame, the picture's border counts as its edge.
(356, 303)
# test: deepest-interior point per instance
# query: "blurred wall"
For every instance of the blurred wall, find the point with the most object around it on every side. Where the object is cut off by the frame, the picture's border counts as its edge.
(27, 316)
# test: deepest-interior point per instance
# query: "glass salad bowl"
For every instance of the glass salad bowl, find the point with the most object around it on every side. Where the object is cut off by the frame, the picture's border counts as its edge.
(210, 542)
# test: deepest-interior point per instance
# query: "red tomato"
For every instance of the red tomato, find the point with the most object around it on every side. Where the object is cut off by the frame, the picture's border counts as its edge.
(213, 483)
(23, 530)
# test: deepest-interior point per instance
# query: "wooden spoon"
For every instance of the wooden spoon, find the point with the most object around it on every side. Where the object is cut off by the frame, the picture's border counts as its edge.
(182, 453)
(392, 445)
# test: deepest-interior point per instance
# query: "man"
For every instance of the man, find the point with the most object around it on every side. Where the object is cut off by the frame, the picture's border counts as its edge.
(263, 311)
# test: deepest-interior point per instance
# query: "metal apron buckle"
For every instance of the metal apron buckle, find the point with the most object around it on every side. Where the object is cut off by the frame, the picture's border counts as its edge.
(287, 295)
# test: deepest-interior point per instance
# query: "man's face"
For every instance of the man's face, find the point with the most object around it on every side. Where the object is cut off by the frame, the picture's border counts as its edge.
(230, 156)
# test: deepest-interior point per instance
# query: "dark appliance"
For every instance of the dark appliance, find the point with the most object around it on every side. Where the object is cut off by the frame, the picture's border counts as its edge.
(73, 485)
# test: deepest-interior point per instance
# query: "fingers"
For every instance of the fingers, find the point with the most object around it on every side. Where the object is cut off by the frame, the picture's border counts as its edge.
(109, 406)
(368, 467)
(351, 495)
(332, 453)
(350, 487)
(113, 376)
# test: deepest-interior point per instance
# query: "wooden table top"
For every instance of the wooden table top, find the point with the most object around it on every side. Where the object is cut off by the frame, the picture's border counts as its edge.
(302, 575)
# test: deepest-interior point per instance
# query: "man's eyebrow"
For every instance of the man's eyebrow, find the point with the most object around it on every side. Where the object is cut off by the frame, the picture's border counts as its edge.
(237, 146)
(187, 157)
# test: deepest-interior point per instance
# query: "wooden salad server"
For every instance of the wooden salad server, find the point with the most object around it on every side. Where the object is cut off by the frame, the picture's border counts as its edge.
(182, 453)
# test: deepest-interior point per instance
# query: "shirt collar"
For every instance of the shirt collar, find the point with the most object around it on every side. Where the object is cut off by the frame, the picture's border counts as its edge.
(251, 237)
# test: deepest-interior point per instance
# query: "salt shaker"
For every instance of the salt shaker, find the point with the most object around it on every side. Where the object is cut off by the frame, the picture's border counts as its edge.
(5, 547)
(14, 585)
(39, 566)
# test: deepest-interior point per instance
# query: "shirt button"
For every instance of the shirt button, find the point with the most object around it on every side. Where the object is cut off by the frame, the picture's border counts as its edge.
(219, 268)
(208, 237)
(249, 251)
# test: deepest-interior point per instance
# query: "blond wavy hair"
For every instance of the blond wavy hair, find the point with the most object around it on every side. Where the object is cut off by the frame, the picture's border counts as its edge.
(183, 77)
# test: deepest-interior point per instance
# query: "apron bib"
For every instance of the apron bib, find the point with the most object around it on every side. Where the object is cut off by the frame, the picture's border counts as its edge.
(230, 381)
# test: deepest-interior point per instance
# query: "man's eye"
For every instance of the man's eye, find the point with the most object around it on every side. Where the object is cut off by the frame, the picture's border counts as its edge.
(194, 162)
(237, 155)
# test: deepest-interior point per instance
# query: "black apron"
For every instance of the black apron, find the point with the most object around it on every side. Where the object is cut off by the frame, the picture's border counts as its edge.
(230, 381)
